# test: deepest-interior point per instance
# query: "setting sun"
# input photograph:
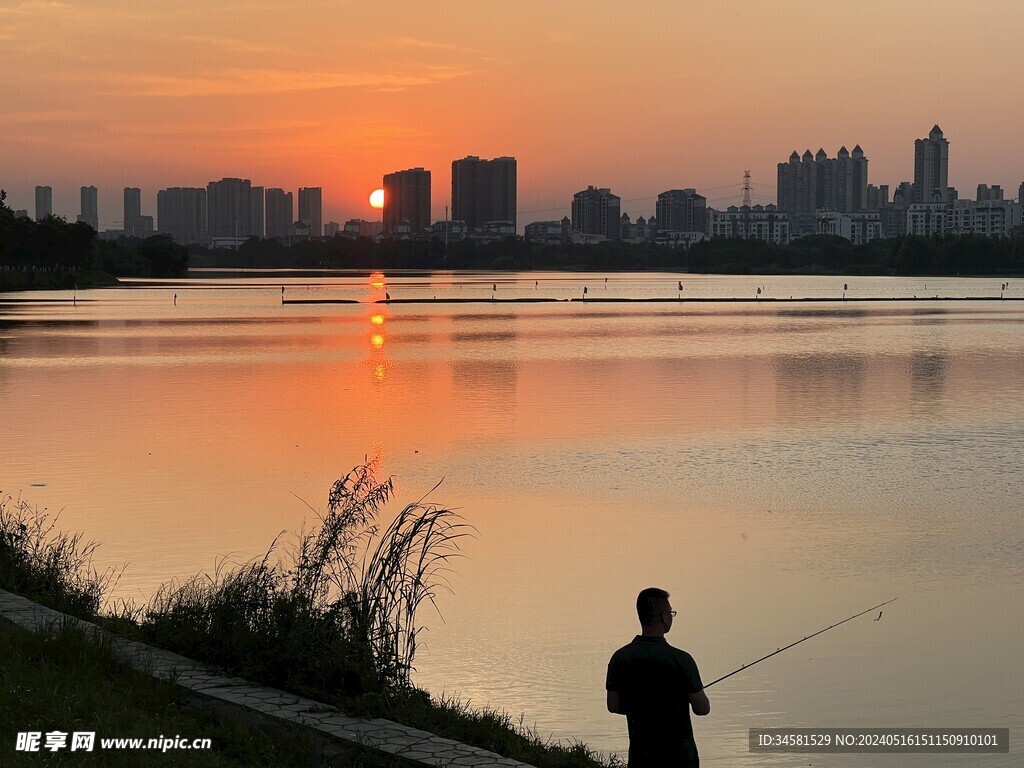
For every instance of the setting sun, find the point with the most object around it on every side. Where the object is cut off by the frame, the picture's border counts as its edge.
(377, 198)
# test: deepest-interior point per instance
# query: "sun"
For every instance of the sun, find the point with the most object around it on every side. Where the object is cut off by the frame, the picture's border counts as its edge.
(377, 198)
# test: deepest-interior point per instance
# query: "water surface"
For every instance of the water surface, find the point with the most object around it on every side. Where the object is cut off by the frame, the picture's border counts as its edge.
(776, 466)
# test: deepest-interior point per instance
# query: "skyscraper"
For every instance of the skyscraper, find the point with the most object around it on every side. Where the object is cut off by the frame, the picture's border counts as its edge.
(807, 184)
(682, 210)
(44, 202)
(181, 213)
(133, 211)
(484, 190)
(595, 211)
(256, 212)
(229, 210)
(931, 168)
(311, 209)
(407, 199)
(90, 208)
(280, 213)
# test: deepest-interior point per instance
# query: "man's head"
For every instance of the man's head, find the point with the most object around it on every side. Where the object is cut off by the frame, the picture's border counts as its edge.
(654, 611)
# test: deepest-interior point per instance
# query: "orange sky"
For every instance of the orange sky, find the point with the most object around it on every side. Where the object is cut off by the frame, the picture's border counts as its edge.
(641, 97)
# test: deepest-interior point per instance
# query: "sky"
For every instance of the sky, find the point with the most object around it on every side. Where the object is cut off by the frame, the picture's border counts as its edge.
(639, 97)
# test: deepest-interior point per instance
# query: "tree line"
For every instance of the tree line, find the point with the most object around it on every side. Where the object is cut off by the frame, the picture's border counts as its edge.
(824, 254)
(54, 253)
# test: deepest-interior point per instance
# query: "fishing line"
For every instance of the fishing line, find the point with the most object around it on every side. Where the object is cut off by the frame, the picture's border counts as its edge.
(780, 650)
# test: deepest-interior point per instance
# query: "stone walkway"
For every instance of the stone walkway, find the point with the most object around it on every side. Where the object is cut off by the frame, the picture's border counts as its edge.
(410, 744)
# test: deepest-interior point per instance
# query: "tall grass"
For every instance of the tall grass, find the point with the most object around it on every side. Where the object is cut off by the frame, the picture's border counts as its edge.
(337, 612)
(46, 564)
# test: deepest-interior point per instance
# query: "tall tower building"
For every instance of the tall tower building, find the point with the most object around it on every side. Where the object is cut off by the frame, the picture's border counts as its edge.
(132, 211)
(256, 211)
(596, 211)
(90, 208)
(931, 168)
(407, 199)
(280, 213)
(682, 210)
(484, 190)
(181, 213)
(44, 202)
(807, 184)
(229, 210)
(311, 209)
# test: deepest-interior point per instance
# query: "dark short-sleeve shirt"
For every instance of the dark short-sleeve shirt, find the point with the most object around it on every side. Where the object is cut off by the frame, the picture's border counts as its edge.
(654, 681)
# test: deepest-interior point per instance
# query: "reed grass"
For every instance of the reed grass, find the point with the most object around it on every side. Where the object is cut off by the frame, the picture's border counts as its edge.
(336, 612)
(42, 562)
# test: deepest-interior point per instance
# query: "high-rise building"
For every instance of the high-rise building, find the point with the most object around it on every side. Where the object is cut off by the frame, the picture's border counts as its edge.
(484, 190)
(682, 210)
(181, 213)
(311, 209)
(132, 211)
(44, 202)
(256, 212)
(280, 213)
(807, 184)
(331, 228)
(90, 208)
(1020, 194)
(985, 192)
(931, 168)
(229, 208)
(596, 211)
(878, 197)
(406, 199)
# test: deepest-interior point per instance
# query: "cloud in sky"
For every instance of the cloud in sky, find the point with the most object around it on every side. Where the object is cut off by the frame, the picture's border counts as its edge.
(34, 6)
(46, 116)
(231, 44)
(242, 82)
(555, 36)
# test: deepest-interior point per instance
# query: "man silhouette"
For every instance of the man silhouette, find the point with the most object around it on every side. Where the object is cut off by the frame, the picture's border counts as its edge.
(655, 686)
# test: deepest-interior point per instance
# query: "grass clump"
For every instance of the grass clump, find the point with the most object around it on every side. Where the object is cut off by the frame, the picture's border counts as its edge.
(48, 565)
(337, 613)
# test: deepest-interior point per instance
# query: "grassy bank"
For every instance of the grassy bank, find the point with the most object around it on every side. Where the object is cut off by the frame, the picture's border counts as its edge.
(331, 616)
(62, 680)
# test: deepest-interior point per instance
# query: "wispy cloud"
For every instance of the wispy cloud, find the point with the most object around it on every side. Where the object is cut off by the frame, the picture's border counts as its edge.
(232, 44)
(46, 116)
(242, 82)
(415, 42)
(34, 6)
(554, 36)
(192, 129)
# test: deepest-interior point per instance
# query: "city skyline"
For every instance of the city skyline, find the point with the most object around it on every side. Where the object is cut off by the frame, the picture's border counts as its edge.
(114, 95)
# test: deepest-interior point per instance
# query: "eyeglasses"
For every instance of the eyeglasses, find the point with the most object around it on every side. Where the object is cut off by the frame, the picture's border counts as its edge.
(671, 613)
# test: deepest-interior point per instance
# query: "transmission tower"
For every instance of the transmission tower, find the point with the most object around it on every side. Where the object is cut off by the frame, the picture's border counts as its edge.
(746, 189)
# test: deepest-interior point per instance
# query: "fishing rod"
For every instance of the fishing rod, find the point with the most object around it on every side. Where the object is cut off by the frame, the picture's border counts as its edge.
(780, 650)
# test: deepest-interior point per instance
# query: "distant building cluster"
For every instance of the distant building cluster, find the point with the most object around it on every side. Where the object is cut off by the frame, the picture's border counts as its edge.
(816, 194)
(483, 200)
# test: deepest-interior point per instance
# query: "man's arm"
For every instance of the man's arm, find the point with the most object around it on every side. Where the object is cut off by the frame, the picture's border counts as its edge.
(699, 703)
(614, 704)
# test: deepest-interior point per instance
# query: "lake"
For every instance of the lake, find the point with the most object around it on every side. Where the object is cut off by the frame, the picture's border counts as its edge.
(777, 466)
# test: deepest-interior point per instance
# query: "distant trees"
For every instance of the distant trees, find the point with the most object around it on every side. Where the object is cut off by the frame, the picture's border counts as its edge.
(54, 245)
(824, 254)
